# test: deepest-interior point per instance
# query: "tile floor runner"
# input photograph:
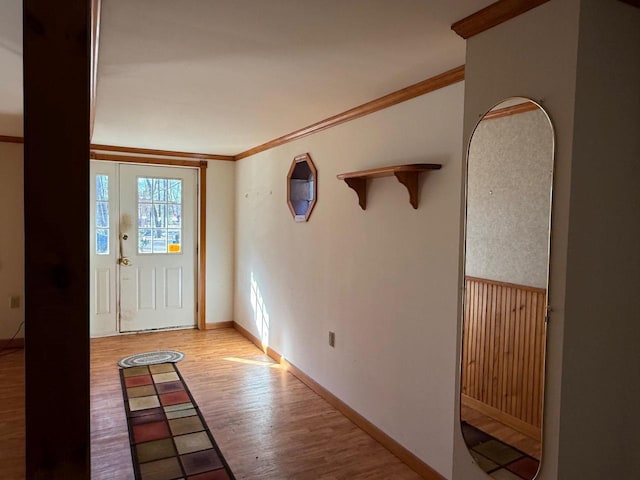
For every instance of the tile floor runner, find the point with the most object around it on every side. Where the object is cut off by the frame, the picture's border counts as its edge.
(496, 458)
(168, 435)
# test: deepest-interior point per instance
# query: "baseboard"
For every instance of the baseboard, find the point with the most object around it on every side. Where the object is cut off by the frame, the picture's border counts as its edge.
(8, 343)
(413, 462)
(518, 425)
(213, 326)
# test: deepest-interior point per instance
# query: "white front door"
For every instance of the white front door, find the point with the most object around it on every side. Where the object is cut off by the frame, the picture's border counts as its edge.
(150, 251)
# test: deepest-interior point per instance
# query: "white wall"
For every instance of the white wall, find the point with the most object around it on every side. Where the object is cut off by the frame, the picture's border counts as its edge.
(11, 238)
(220, 241)
(384, 280)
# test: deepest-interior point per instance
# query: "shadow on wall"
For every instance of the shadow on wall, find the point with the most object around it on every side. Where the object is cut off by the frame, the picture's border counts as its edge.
(260, 314)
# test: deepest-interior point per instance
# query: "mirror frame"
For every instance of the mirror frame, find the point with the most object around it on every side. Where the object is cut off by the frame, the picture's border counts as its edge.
(306, 158)
(462, 286)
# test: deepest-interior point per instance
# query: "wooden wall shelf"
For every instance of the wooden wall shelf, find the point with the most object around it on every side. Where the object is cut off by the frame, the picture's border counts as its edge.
(407, 175)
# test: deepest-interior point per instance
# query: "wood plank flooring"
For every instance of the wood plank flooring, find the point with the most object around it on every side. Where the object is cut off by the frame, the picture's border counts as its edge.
(12, 415)
(268, 424)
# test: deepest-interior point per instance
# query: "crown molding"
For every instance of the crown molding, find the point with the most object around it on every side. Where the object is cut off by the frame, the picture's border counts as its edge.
(493, 15)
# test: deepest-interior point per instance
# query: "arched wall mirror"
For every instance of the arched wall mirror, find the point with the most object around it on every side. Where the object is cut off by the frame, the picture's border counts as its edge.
(507, 231)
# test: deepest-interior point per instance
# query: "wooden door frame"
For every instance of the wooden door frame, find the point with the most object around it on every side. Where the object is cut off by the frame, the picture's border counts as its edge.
(201, 263)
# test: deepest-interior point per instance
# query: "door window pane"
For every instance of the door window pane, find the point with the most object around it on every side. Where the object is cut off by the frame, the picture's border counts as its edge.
(102, 214)
(159, 189)
(102, 241)
(159, 240)
(174, 215)
(175, 191)
(144, 241)
(145, 187)
(159, 215)
(144, 216)
(173, 239)
(102, 188)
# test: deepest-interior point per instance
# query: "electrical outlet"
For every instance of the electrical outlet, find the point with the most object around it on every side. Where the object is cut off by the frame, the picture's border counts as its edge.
(14, 301)
(332, 339)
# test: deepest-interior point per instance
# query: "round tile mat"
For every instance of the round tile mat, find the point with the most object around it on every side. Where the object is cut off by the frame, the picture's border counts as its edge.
(150, 358)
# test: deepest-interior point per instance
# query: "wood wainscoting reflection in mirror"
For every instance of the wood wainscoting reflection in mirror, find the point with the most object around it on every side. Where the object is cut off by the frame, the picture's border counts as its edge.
(507, 232)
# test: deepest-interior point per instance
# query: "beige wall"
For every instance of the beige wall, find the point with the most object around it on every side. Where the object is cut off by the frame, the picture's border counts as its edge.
(11, 238)
(384, 280)
(601, 362)
(220, 241)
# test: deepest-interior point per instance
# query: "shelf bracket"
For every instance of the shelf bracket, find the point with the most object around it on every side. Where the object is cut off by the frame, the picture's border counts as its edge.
(360, 187)
(410, 180)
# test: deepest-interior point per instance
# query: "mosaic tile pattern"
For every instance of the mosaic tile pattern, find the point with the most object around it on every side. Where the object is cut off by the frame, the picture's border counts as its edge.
(499, 460)
(169, 438)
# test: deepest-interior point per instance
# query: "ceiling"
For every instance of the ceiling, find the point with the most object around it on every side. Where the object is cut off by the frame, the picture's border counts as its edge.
(224, 76)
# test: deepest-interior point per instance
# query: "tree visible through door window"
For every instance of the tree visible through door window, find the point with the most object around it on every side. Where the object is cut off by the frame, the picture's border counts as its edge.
(102, 214)
(159, 215)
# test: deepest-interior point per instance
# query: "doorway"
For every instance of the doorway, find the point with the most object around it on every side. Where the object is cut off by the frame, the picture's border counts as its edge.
(143, 243)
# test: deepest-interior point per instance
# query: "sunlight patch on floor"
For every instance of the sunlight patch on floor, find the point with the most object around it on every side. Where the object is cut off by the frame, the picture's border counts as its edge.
(260, 363)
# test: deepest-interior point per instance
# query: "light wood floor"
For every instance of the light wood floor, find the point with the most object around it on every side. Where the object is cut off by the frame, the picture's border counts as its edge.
(267, 423)
(12, 414)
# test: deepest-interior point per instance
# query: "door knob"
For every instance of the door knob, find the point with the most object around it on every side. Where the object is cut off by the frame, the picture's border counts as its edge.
(125, 261)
